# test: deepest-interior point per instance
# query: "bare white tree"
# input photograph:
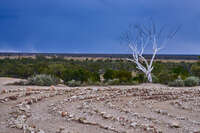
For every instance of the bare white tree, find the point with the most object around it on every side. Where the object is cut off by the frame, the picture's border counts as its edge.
(138, 37)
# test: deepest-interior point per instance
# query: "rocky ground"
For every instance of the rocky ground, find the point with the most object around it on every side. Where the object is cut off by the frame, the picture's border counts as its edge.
(147, 108)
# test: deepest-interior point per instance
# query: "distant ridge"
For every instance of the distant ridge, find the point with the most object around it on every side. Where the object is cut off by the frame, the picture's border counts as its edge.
(159, 56)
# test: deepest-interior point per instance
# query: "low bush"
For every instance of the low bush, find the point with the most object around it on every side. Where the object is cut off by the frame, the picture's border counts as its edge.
(166, 77)
(91, 83)
(155, 79)
(195, 69)
(121, 75)
(191, 81)
(113, 82)
(177, 83)
(109, 74)
(119, 82)
(129, 83)
(140, 78)
(80, 74)
(73, 83)
(42, 80)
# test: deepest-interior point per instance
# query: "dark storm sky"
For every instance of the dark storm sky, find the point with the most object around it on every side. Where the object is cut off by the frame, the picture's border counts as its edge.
(93, 26)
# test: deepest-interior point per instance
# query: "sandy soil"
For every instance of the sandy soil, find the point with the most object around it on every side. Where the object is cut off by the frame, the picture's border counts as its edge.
(144, 108)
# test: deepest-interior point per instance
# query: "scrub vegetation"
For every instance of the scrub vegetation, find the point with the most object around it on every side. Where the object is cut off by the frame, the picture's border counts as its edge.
(55, 70)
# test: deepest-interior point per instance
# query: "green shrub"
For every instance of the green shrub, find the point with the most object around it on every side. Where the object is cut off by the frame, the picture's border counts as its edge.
(140, 78)
(166, 77)
(42, 80)
(73, 83)
(94, 77)
(113, 82)
(155, 79)
(132, 82)
(123, 76)
(92, 83)
(177, 83)
(55, 69)
(195, 69)
(181, 70)
(119, 82)
(109, 74)
(191, 81)
(76, 74)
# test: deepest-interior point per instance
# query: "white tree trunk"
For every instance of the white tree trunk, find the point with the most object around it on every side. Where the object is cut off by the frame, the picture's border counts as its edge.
(149, 77)
(137, 43)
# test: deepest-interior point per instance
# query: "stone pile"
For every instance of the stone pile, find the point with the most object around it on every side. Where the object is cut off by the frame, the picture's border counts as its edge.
(18, 119)
(22, 111)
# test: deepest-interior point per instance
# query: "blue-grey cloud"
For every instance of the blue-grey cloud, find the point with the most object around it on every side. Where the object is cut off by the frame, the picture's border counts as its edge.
(93, 25)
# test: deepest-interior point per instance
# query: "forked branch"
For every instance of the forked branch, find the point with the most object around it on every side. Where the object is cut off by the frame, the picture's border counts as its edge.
(138, 37)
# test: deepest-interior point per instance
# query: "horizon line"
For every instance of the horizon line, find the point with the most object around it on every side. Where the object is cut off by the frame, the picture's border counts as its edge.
(81, 53)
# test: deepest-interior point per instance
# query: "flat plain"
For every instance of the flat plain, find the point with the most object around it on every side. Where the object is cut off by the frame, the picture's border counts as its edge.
(143, 108)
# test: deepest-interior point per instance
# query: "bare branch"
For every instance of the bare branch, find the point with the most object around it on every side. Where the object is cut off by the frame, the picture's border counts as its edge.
(138, 37)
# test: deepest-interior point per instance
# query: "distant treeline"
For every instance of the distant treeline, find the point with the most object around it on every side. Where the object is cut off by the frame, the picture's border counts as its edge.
(91, 72)
(148, 56)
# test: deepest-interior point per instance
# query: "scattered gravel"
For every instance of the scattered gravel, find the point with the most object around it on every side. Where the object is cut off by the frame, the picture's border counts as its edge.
(147, 108)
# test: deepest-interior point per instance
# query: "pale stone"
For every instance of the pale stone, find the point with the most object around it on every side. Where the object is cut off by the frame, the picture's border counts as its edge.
(174, 124)
(134, 124)
(41, 131)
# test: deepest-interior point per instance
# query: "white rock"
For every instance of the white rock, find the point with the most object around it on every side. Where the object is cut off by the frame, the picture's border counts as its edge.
(174, 124)
(134, 124)
(95, 89)
(19, 125)
(28, 107)
(41, 131)
(73, 97)
(107, 116)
